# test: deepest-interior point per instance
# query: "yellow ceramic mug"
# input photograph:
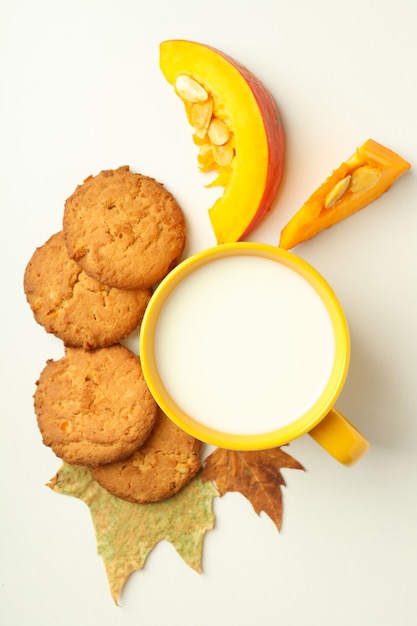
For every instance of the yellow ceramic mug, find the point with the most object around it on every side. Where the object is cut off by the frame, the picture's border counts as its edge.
(246, 347)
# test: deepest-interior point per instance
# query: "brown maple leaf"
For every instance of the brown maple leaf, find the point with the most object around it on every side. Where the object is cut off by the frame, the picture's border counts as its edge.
(256, 475)
(127, 532)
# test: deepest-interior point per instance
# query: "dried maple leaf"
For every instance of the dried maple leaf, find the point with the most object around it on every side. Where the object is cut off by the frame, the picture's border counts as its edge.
(126, 532)
(256, 475)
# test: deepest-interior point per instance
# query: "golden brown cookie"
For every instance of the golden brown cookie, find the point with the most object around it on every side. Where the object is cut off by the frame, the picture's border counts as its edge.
(75, 307)
(94, 406)
(161, 467)
(124, 229)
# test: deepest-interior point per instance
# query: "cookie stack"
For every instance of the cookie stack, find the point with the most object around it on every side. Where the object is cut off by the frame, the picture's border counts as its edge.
(89, 285)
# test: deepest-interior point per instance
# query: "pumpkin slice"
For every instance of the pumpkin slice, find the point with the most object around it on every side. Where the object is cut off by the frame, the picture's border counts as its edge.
(360, 180)
(237, 129)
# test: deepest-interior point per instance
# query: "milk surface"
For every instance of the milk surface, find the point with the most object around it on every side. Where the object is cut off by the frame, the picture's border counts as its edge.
(244, 345)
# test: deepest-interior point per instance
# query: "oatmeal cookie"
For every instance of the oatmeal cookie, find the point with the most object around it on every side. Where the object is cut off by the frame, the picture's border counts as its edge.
(94, 406)
(124, 229)
(160, 468)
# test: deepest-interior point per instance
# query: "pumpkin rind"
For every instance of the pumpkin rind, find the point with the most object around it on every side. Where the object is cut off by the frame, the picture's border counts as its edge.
(314, 217)
(251, 181)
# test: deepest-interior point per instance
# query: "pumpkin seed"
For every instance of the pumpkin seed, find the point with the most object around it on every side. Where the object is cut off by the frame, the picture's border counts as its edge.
(200, 115)
(364, 178)
(205, 158)
(218, 132)
(223, 155)
(189, 89)
(337, 192)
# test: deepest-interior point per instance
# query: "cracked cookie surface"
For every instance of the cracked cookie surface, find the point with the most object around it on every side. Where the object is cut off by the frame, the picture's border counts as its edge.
(75, 307)
(124, 229)
(166, 462)
(94, 406)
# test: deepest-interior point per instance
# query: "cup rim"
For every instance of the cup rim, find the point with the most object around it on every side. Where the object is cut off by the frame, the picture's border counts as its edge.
(280, 436)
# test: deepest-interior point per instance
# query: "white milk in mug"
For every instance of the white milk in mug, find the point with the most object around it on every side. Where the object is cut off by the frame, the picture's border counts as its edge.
(245, 346)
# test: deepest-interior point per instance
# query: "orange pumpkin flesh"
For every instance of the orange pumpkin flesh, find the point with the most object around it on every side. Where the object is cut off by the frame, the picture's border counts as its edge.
(242, 102)
(360, 180)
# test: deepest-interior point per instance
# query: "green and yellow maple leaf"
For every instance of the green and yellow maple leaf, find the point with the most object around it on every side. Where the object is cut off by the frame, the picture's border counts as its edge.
(126, 533)
(256, 475)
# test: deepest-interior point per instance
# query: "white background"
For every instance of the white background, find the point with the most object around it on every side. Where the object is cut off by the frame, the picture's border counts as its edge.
(81, 91)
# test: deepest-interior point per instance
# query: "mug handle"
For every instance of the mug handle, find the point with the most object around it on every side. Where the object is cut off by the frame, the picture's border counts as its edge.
(340, 438)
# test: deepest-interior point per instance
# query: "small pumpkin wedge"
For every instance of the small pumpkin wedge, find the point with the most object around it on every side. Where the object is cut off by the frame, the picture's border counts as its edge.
(237, 129)
(360, 180)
